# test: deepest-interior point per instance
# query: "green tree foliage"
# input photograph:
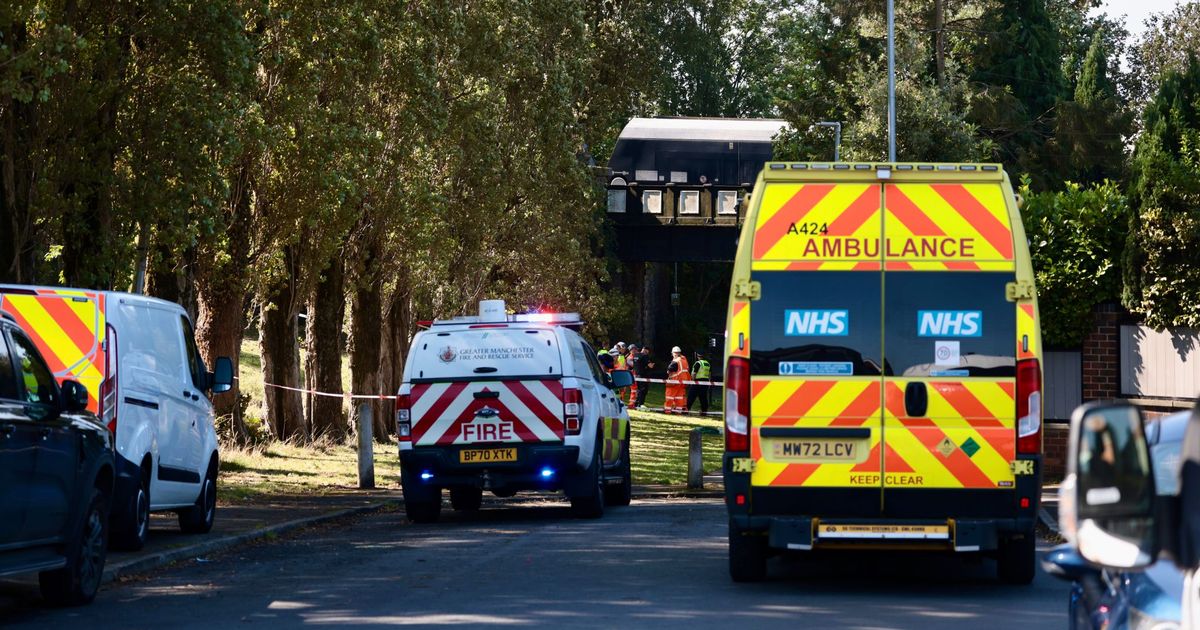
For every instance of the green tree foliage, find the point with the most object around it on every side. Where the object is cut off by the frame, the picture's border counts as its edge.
(718, 56)
(833, 68)
(1165, 44)
(1162, 279)
(1075, 239)
(1020, 63)
(1090, 130)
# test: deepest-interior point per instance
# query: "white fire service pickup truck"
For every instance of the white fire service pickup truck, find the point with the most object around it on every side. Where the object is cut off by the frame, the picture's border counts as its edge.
(507, 403)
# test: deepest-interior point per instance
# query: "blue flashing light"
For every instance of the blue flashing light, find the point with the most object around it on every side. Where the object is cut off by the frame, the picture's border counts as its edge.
(426, 476)
(547, 473)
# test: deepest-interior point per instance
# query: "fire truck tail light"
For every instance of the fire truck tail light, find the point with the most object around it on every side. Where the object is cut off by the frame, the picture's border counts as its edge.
(404, 418)
(573, 411)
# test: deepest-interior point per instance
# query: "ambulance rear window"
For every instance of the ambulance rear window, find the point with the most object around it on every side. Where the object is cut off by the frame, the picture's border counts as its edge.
(816, 323)
(488, 354)
(949, 323)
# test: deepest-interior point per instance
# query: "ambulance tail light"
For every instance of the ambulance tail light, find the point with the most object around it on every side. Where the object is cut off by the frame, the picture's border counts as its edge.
(737, 405)
(573, 411)
(108, 387)
(1029, 407)
(404, 418)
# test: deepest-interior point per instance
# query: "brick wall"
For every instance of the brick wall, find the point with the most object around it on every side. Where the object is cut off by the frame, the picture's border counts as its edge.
(1102, 355)
(1054, 445)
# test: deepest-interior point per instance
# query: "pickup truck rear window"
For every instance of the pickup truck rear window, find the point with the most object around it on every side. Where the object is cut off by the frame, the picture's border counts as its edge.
(487, 353)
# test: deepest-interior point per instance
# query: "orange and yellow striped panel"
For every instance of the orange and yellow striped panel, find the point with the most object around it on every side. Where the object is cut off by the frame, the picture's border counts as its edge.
(812, 403)
(818, 226)
(737, 338)
(1027, 327)
(967, 438)
(939, 227)
(67, 326)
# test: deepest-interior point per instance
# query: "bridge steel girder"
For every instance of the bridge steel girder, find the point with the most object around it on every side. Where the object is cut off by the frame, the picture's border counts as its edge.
(676, 243)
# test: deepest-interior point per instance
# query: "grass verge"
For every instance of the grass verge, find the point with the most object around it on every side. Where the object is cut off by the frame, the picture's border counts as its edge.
(250, 474)
(659, 451)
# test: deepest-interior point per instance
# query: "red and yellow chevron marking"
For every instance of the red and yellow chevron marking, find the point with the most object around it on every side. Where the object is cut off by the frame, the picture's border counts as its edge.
(980, 411)
(939, 227)
(737, 338)
(1027, 329)
(67, 326)
(817, 226)
(789, 402)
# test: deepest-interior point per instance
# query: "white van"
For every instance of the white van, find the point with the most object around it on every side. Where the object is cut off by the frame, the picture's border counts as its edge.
(507, 403)
(145, 379)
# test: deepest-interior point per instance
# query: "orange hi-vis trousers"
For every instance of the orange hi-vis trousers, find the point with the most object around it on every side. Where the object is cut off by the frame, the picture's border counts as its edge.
(676, 401)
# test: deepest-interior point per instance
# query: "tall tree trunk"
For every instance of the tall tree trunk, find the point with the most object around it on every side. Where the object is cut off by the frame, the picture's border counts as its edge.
(219, 325)
(323, 362)
(17, 175)
(278, 339)
(221, 277)
(939, 41)
(365, 312)
(397, 324)
(88, 252)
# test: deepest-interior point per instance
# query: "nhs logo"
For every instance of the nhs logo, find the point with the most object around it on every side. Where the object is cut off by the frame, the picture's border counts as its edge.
(817, 323)
(949, 323)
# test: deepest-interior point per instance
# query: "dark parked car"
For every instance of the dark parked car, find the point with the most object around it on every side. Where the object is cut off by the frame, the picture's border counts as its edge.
(1104, 599)
(56, 475)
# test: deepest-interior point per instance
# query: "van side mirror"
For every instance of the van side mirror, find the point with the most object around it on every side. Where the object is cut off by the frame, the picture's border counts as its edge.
(222, 378)
(620, 378)
(1107, 501)
(75, 396)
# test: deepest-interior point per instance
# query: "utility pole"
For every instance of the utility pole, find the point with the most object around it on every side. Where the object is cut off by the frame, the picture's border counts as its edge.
(891, 53)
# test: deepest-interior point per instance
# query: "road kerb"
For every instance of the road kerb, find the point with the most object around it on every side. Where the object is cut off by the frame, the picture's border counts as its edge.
(163, 558)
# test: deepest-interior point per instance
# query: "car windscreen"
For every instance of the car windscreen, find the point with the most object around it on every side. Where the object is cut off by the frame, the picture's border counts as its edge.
(816, 323)
(952, 323)
(486, 353)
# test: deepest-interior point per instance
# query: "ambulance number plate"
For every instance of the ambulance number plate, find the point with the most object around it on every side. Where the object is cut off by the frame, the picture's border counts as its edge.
(815, 450)
(904, 532)
(487, 455)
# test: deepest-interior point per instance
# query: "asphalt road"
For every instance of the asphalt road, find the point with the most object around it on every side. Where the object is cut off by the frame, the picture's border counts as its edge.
(658, 563)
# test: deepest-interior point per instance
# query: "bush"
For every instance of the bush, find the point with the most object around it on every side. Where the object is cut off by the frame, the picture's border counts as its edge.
(1076, 238)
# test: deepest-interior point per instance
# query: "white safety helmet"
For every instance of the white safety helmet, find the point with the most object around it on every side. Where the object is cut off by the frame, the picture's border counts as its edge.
(676, 350)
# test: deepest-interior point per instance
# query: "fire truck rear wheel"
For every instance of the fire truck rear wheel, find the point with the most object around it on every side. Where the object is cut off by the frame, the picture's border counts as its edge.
(423, 511)
(748, 555)
(591, 505)
(466, 499)
(621, 493)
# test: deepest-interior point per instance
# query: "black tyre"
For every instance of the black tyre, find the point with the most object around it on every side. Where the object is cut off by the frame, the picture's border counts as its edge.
(748, 555)
(77, 583)
(199, 518)
(1016, 559)
(426, 511)
(466, 499)
(591, 504)
(621, 494)
(132, 527)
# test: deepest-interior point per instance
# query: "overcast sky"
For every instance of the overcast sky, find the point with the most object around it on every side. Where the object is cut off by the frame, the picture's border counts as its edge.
(1136, 12)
